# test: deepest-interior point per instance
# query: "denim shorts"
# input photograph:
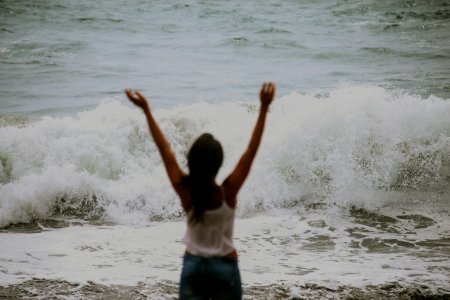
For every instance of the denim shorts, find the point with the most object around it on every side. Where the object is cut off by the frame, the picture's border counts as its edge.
(210, 278)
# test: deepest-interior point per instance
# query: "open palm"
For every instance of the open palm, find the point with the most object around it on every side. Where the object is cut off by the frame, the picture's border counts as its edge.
(137, 98)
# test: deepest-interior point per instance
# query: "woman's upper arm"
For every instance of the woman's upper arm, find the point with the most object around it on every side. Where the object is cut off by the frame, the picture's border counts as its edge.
(176, 177)
(183, 193)
(237, 177)
(235, 180)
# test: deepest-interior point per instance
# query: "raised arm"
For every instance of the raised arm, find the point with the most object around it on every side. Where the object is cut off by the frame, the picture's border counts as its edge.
(173, 170)
(235, 180)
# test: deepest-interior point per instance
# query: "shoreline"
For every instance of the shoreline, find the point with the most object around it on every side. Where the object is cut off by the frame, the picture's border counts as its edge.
(36, 288)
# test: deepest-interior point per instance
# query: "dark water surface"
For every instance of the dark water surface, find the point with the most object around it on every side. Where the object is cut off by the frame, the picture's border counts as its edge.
(64, 56)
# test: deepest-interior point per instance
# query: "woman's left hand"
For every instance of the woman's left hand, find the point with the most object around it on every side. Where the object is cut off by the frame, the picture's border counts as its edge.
(137, 98)
(267, 93)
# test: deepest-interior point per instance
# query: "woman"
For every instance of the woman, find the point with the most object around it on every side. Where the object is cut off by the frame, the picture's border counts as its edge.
(210, 267)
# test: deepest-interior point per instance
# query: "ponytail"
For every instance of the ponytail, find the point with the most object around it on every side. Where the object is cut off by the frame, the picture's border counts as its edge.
(204, 160)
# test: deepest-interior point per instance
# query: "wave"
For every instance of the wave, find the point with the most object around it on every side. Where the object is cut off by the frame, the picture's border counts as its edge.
(354, 145)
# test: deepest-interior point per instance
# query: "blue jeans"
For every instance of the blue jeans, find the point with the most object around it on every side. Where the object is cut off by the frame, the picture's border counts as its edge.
(210, 278)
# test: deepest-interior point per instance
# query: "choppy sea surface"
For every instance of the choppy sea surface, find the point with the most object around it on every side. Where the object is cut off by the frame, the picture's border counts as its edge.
(349, 195)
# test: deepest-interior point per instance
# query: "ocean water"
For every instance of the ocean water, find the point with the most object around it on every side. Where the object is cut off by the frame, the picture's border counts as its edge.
(349, 193)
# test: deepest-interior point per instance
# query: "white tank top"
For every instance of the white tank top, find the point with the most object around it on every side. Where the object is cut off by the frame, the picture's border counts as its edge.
(212, 235)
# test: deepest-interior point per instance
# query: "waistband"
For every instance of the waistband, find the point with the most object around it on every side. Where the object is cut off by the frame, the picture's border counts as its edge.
(227, 258)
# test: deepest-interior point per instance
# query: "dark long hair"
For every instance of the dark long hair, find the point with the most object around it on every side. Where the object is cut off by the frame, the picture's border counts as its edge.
(204, 160)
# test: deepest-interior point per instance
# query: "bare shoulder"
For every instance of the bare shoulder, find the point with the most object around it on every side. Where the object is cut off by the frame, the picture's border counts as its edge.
(185, 198)
(229, 194)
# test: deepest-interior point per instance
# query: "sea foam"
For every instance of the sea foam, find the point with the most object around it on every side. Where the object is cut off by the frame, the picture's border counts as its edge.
(356, 145)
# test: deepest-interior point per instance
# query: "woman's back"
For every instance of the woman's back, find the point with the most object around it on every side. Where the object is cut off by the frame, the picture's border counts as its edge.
(212, 234)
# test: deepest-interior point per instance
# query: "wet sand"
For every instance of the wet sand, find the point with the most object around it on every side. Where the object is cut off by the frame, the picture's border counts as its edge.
(57, 289)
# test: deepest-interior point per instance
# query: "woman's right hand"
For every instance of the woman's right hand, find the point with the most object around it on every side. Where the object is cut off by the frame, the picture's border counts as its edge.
(137, 98)
(267, 93)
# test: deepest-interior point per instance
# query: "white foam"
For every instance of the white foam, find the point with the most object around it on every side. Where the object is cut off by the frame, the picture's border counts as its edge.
(359, 144)
(273, 249)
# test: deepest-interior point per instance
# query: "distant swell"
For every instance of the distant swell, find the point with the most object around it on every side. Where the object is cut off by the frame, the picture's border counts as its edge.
(358, 145)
